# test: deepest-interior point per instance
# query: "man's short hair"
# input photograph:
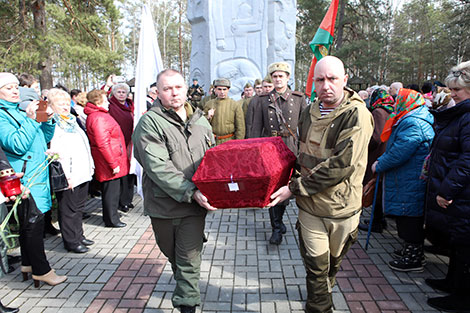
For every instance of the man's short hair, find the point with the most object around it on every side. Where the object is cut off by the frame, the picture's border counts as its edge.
(74, 92)
(168, 71)
(26, 79)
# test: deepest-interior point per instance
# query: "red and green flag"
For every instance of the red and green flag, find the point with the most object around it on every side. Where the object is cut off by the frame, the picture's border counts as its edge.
(321, 43)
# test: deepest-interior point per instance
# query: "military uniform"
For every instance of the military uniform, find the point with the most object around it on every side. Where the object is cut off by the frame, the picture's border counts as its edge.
(278, 115)
(206, 99)
(228, 121)
(195, 94)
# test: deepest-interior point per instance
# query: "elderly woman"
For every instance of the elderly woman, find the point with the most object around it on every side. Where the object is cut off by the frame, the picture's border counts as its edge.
(80, 107)
(108, 149)
(71, 143)
(409, 133)
(24, 141)
(381, 106)
(121, 108)
(448, 197)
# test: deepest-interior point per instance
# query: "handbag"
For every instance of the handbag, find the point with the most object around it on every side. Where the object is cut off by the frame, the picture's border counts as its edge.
(58, 180)
(368, 192)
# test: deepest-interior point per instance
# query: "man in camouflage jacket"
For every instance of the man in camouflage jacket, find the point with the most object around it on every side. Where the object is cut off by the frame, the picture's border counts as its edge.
(334, 134)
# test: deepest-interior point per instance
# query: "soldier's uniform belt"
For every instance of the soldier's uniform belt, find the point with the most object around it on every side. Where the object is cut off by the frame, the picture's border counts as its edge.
(282, 133)
(223, 136)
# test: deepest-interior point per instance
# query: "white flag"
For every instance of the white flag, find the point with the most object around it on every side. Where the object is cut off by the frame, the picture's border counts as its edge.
(149, 64)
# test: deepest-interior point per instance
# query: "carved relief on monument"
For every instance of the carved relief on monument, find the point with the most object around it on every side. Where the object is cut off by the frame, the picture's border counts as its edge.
(239, 71)
(234, 42)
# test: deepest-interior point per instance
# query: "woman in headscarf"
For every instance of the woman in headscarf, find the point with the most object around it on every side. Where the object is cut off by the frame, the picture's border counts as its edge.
(71, 143)
(409, 135)
(448, 197)
(381, 105)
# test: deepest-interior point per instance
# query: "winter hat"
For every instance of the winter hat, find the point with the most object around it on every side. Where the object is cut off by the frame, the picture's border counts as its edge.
(8, 78)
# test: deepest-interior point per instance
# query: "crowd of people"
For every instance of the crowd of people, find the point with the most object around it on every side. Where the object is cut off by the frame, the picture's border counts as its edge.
(414, 141)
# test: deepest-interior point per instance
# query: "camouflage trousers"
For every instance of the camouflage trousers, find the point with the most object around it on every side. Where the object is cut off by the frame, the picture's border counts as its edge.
(323, 244)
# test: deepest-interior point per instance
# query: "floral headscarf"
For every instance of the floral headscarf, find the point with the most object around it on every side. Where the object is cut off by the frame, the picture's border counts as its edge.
(380, 98)
(407, 100)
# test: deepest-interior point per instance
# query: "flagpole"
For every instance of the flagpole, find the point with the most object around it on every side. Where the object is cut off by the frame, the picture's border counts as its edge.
(149, 64)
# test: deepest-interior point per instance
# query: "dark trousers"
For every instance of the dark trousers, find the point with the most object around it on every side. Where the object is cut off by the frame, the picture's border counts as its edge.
(71, 204)
(127, 190)
(411, 228)
(32, 241)
(180, 240)
(110, 201)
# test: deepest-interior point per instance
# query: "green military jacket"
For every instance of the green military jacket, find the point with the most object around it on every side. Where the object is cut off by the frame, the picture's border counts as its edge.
(169, 151)
(228, 119)
(333, 158)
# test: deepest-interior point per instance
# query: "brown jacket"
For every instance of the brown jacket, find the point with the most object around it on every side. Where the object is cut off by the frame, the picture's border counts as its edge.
(376, 146)
(228, 119)
(278, 115)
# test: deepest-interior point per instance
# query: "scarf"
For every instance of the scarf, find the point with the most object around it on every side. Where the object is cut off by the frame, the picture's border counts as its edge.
(380, 98)
(407, 100)
(8, 104)
(67, 122)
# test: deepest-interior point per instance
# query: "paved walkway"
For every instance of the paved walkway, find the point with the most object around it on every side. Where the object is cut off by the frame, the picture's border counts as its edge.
(241, 272)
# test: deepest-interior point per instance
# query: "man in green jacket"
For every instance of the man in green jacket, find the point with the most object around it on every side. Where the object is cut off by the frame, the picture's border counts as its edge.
(334, 133)
(169, 145)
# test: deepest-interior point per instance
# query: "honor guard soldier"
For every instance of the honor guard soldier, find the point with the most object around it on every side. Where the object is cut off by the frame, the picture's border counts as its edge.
(277, 113)
(195, 94)
(225, 114)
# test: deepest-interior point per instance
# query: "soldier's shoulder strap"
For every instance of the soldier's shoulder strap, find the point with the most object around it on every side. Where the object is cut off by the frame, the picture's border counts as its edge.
(298, 93)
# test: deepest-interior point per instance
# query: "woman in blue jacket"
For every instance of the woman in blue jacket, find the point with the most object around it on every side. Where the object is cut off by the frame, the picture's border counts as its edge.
(409, 133)
(448, 197)
(24, 141)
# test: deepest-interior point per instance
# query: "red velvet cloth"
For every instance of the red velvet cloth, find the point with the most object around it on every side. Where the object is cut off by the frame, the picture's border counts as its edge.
(256, 167)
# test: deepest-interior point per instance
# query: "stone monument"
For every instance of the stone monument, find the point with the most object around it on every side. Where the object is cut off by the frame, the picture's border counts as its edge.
(238, 39)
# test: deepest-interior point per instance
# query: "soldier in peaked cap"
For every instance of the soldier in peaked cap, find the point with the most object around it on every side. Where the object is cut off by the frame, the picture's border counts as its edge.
(277, 113)
(225, 114)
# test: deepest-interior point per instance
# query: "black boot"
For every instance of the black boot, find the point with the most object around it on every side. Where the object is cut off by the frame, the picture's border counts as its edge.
(275, 214)
(458, 300)
(399, 253)
(187, 309)
(48, 227)
(451, 303)
(448, 283)
(411, 261)
(4, 309)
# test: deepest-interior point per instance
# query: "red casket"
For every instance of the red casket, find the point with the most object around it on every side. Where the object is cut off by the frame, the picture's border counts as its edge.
(244, 173)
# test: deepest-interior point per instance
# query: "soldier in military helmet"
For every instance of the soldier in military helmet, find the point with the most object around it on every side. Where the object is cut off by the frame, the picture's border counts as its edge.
(195, 94)
(225, 114)
(277, 113)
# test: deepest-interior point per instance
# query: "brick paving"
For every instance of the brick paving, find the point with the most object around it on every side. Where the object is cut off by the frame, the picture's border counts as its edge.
(241, 272)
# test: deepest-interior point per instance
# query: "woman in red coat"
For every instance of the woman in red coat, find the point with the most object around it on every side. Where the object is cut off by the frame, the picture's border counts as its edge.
(108, 149)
